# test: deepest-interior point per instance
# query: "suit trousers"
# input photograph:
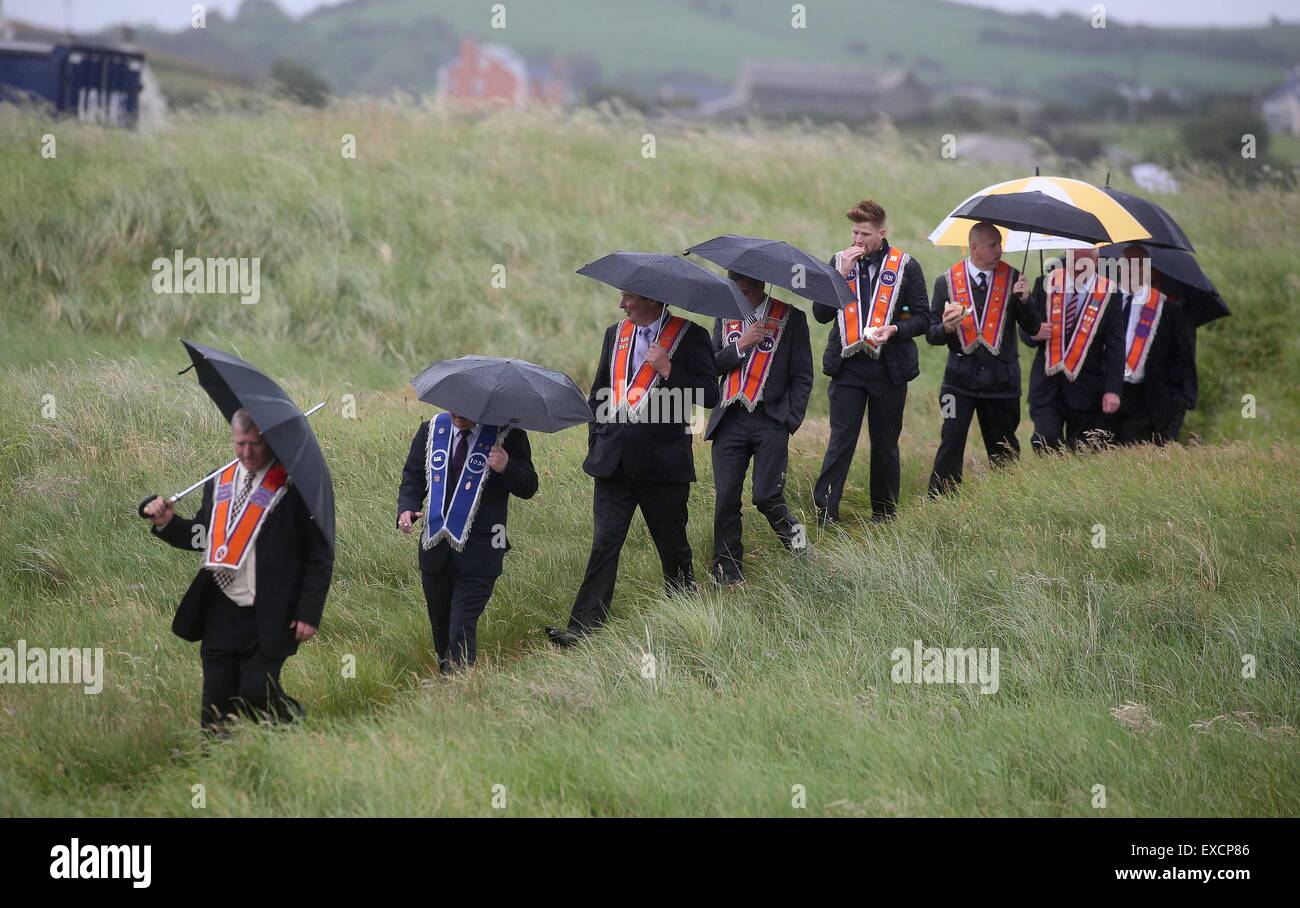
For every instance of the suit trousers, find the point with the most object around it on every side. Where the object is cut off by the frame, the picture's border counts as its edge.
(615, 500)
(1132, 423)
(883, 405)
(998, 419)
(237, 679)
(455, 604)
(1057, 424)
(740, 437)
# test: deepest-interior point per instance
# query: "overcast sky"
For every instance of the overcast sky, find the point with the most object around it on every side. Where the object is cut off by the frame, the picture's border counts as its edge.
(89, 15)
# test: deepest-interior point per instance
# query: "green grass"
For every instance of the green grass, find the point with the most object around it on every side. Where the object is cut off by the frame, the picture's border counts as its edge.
(373, 267)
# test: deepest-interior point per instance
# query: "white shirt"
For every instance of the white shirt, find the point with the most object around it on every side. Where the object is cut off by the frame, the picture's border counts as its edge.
(972, 271)
(1134, 316)
(643, 338)
(243, 589)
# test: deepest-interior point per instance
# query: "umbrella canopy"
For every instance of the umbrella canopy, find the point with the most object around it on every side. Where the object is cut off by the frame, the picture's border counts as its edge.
(504, 392)
(1192, 286)
(232, 384)
(671, 280)
(1155, 220)
(1035, 212)
(775, 262)
(1120, 225)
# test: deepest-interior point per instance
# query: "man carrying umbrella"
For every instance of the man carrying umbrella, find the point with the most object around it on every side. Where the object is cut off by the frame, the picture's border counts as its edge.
(1078, 372)
(639, 450)
(1159, 358)
(870, 357)
(268, 558)
(459, 475)
(976, 307)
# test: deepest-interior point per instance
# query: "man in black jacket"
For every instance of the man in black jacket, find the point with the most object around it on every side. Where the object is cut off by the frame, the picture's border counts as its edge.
(976, 307)
(467, 473)
(1078, 371)
(654, 369)
(251, 617)
(766, 378)
(1159, 358)
(870, 368)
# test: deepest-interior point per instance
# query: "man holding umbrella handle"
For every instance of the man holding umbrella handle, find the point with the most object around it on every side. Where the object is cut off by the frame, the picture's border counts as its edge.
(261, 592)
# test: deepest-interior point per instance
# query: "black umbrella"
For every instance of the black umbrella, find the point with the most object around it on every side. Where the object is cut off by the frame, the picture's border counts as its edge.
(504, 392)
(1155, 220)
(232, 384)
(1192, 286)
(1036, 212)
(671, 280)
(775, 262)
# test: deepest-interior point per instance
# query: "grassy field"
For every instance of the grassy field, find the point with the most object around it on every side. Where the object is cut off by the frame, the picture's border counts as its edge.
(1120, 666)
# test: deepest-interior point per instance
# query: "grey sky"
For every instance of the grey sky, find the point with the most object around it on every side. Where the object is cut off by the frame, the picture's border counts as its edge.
(89, 15)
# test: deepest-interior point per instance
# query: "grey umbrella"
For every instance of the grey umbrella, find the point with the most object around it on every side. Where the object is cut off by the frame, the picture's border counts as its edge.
(777, 262)
(504, 392)
(671, 280)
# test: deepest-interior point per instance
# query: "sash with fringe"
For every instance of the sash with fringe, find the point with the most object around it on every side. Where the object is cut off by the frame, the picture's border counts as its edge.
(1067, 354)
(1144, 334)
(231, 536)
(630, 392)
(745, 382)
(854, 320)
(454, 524)
(988, 331)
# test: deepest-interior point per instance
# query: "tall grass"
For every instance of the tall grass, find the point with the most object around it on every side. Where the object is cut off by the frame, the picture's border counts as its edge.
(1120, 666)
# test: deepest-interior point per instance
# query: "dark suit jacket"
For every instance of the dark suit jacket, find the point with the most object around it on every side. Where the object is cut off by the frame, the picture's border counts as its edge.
(980, 373)
(660, 451)
(480, 558)
(1103, 368)
(790, 381)
(293, 572)
(1171, 360)
(911, 315)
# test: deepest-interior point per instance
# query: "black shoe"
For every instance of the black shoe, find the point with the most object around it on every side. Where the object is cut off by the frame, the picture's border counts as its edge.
(562, 638)
(722, 577)
(824, 519)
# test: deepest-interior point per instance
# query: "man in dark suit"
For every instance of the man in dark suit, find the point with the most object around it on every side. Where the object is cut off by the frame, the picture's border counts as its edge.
(871, 366)
(767, 376)
(250, 617)
(464, 542)
(976, 307)
(1159, 358)
(1078, 371)
(654, 368)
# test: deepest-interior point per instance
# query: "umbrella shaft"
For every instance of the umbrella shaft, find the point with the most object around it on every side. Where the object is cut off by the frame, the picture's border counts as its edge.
(179, 495)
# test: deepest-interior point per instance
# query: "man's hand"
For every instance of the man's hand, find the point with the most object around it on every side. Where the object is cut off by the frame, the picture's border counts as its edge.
(160, 511)
(1021, 289)
(849, 257)
(753, 334)
(953, 313)
(302, 630)
(406, 519)
(1044, 331)
(498, 458)
(657, 357)
(883, 333)
(1109, 403)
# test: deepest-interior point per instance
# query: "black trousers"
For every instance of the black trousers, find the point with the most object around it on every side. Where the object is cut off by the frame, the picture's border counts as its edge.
(616, 498)
(1132, 422)
(237, 678)
(740, 437)
(883, 405)
(998, 418)
(1057, 424)
(455, 604)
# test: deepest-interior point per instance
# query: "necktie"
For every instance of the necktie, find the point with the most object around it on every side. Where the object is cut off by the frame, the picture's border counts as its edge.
(981, 292)
(645, 337)
(457, 464)
(1072, 313)
(226, 576)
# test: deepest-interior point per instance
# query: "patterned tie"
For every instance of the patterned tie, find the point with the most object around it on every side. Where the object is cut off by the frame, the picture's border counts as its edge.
(226, 576)
(457, 464)
(1072, 313)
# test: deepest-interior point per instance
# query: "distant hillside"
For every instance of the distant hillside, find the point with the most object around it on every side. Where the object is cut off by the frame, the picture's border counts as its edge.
(374, 46)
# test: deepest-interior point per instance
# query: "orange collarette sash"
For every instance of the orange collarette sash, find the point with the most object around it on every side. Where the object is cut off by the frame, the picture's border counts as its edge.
(854, 321)
(745, 382)
(630, 392)
(230, 536)
(1067, 354)
(1144, 333)
(988, 331)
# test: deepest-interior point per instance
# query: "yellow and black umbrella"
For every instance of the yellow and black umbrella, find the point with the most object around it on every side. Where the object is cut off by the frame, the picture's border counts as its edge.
(1120, 225)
